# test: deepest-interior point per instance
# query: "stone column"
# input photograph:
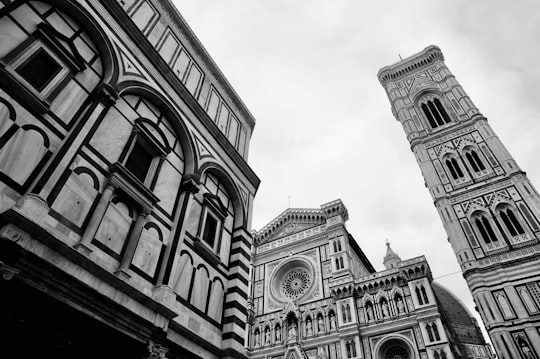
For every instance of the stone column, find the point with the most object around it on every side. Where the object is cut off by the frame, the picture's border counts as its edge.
(90, 231)
(188, 188)
(132, 243)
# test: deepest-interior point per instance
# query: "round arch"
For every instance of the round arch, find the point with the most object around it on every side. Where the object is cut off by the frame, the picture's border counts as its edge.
(395, 346)
(166, 107)
(220, 173)
(102, 42)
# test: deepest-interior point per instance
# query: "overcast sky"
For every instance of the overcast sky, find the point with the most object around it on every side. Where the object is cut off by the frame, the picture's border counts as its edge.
(307, 70)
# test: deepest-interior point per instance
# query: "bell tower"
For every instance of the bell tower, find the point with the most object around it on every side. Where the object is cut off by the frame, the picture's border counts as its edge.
(487, 205)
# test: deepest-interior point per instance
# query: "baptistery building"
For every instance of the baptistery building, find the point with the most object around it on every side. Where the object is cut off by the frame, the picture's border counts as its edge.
(125, 193)
(316, 295)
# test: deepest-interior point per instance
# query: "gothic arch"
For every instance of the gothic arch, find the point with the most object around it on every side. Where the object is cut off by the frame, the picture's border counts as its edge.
(396, 290)
(367, 298)
(175, 119)
(380, 295)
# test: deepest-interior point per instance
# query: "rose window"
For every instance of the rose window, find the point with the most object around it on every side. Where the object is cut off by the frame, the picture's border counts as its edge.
(295, 283)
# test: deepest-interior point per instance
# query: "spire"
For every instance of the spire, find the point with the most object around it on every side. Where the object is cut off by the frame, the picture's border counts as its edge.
(391, 259)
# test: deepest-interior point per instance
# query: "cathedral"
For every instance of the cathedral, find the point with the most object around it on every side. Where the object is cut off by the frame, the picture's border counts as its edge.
(126, 201)
(316, 295)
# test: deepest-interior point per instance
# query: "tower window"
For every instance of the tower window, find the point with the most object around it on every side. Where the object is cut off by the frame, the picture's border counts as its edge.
(485, 229)
(419, 296)
(454, 168)
(435, 113)
(435, 331)
(340, 264)
(511, 222)
(474, 160)
(424, 294)
(429, 333)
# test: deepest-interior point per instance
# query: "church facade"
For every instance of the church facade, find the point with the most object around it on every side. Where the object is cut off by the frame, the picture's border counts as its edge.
(125, 193)
(316, 295)
(489, 208)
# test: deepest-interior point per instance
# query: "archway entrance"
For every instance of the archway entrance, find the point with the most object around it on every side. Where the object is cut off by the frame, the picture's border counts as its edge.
(395, 348)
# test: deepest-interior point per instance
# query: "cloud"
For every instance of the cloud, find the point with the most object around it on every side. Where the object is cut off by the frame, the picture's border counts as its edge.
(307, 71)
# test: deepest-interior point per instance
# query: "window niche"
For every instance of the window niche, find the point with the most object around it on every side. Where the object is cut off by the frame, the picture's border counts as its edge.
(144, 153)
(40, 67)
(434, 112)
(208, 240)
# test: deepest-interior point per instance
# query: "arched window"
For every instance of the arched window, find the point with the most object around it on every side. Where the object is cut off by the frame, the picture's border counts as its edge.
(339, 263)
(435, 113)
(435, 331)
(441, 110)
(443, 354)
(453, 166)
(335, 247)
(430, 118)
(344, 313)
(339, 245)
(348, 312)
(429, 333)
(424, 294)
(510, 220)
(484, 227)
(436, 355)
(474, 160)
(419, 296)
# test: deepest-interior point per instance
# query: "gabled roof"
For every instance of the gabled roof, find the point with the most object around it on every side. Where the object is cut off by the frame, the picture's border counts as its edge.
(294, 220)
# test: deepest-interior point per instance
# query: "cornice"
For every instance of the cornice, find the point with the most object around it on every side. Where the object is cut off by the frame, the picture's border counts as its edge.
(410, 64)
(137, 37)
(178, 20)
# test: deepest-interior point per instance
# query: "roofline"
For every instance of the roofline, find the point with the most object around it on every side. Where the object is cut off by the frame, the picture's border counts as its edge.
(363, 258)
(179, 20)
(409, 64)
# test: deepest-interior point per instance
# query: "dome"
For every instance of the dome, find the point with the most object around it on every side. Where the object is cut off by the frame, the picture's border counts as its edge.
(460, 318)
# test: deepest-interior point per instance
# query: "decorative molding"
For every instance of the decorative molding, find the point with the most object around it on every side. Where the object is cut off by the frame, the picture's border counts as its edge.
(156, 351)
(8, 272)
